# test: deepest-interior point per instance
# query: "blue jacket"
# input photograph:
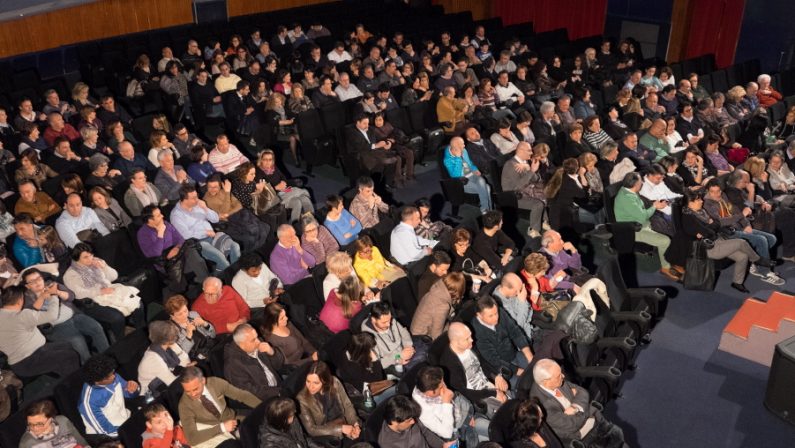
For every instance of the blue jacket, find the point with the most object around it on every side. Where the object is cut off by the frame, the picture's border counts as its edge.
(455, 165)
(342, 226)
(26, 255)
(582, 110)
(99, 406)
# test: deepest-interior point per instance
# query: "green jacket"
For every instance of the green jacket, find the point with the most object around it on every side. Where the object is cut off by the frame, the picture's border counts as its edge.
(629, 207)
(658, 145)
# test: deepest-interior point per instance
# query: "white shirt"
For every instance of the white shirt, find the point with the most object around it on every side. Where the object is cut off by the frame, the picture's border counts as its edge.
(254, 290)
(336, 58)
(345, 94)
(406, 246)
(505, 93)
(435, 415)
(657, 192)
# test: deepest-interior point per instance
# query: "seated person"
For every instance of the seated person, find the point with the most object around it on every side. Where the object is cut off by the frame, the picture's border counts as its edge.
(281, 427)
(142, 193)
(568, 409)
(205, 417)
(170, 177)
(326, 410)
(394, 345)
(438, 266)
(491, 240)
(194, 334)
(402, 427)
(219, 197)
(521, 174)
(256, 283)
(435, 308)
(28, 352)
(77, 221)
(57, 127)
(467, 261)
(432, 230)
(160, 428)
(252, 365)
(373, 270)
(481, 151)
(459, 165)
(108, 209)
(654, 188)
(290, 261)
(344, 226)
(295, 198)
(281, 334)
(406, 246)
(38, 204)
(504, 139)
(200, 169)
(225, 157)
(342, 304)
(368, 207)
(530, 427)
(102, 400)
(33, 244)
(46, 428)
(316, 239)
(164, 360)
(30, 167)
(62, 159)
(566, 264)
(500, 341)
(159, 141)
(339, 266)
(129, 160)
(221, 305)
(360, 366)
(629, 207)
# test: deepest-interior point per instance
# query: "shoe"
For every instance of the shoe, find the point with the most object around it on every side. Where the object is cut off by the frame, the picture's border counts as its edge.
(773, 279)
(533, 233)
(678, 269)
(790, 259)
(671, 274)
(545, 226)
(753, 270)
(740, 287)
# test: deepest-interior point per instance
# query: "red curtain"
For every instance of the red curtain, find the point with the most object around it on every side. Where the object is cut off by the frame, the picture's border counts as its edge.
(582, 18)
(715, 28)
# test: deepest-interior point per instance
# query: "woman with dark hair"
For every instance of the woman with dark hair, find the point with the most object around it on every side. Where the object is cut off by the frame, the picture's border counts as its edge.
(200, 168)
(115, 134)
(32, 168)
(435, 308)
(569, 186)
(175, 84)
(593, 134)
(574, 145)
(281, 428)
(614, 127)
(326, 409)
(342, 304)
(163, 360)
(108, 209)
(384, 131)
(504, 138)
(297, 199)
(45, 428)
(30, 138)
(431, 230)
(361, 365)
(547, 87)
(583, 107)
(283, 83)
(70, 183)
(465, 259)
(372, 268)
(279, 332)
(244, 186)
(529, 428)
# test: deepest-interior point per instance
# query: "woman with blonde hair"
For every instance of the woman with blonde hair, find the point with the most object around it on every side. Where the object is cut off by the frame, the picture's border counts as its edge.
(436, 307)
(80, 95)
(284, 127)
(734, 104)
(588, 161)
(372, 268)
(339, 266)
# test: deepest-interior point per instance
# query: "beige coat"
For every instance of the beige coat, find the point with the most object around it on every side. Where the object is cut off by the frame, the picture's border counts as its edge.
(433, 312)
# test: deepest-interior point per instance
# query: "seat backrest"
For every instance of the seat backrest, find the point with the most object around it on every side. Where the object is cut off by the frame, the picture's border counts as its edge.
(249, 428)
(500, 428)
(131, 430)
(404, 300)
(610, 193)
(128, 352)
(310, 126)
(67, 397)
(409, 379)
(333, 352)
(334, 116)
(372, 427)
(296, 379)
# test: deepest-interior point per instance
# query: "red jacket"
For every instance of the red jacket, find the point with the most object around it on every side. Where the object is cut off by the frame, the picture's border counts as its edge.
(68, 131)
(229, 308)
(150, 441)
(767, 100)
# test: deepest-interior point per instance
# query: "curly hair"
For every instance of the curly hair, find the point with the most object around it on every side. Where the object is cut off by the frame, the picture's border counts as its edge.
(535, 263)
(98, 367)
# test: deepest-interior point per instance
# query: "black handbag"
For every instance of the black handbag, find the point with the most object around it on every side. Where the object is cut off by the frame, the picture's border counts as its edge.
(699, 269)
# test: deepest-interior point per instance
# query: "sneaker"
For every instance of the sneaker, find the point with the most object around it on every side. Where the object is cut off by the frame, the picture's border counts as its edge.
(533, 233)
(753, 270)
(773, 279)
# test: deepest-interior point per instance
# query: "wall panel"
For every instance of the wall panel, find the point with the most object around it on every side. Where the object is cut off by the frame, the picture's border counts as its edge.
(481, 9)
(243, 7)
(90, 21)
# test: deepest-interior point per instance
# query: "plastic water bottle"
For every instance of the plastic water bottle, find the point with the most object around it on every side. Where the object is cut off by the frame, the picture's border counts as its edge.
(148, 398)
(398, 364)
(369, 403)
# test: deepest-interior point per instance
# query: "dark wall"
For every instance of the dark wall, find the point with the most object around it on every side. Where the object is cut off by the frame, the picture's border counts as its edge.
(766, 32)
(657, 12)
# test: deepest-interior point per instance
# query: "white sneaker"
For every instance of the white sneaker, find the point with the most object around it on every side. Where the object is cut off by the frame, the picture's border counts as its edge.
(753, 270)
(773, 279)
(532, 233)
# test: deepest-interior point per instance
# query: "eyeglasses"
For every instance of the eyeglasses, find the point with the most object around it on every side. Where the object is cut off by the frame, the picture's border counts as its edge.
(35, 280)
(39, 425)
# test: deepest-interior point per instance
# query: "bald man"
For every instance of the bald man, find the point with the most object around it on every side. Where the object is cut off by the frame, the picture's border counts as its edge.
(655, 139)
(458, 165)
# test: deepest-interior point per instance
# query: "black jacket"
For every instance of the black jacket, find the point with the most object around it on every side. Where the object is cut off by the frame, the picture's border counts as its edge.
(499, 348)
(483, 155)
(246, 373)
(456, 377)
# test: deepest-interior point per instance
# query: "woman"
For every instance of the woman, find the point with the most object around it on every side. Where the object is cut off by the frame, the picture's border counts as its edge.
(523, 129)
(488, 97)
(722, 115)
(101, 175)
(115, 134)
(175, 84)
(781, 207)
(88, 118)
(280, 333)
(284, 127)
(195, 336)
(217, 60)
(547, 87)
(235, 43)
(310, 81)
(108, 209)
(734, 104)
(588, 161)
(30, 138)
(504, 139)
(243, 185)
(283, 83)
(534, 276)
(675, 141)
(366, 105)
(575, 146)
(614, 127)
(241, 59)
(782, 181)
(650, 80)
(417, 92)
(141, 193)
(163, 360)
(568, 186)
(81, 97)
(694, 174)
(436, 307)
(326, 409)
(91, 144)
(142, 72)
(316, 239)
(384, 131)
(432, 230)
(521, 81)
(466, 260)
(296, 199)
(70, 183)
(158, 141)
(697, 225)
(45, 428)
(529, 428)
(343, 303)
(281, 427)
(31, 168)
(714, 160)
(200, 168)
(361, 366)
(372, 268)
(787, 126)
(583, 107)
(339, 266)
(299, 102)
(340, 222)
(594, 135)
(667, 77)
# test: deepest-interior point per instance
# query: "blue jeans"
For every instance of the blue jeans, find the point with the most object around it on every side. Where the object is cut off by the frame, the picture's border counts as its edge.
(477, 185)
(210, 253)
(760, 241)
(75, 330)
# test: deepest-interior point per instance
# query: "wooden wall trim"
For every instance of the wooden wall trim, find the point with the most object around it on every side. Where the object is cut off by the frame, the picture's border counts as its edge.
(90, 21)
(481, 9)
(243, 7)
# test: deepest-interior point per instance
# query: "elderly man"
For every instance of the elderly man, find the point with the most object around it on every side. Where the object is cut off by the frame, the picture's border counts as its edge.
(38, 204)
(766, 94)
(629, 207)
(451, 111)
(170, 178)
(500, 341)
(565, 111)
(367, 206)
(394, 346)
(458, 165)
(564, 260)
(207, 420)
(345, 90)
(78, 223)
(193, 219)
(521, 176)
(652, 108)
(547, 126)
(221, 305)
(406, 246)
(225, 157)
(568, 409)
(289, 261)
(641, 156)
(56, 127)
(253, 365)
(130, 160)
(655, 140)
(53, 103)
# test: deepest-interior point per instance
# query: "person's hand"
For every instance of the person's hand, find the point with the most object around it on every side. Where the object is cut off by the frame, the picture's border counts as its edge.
(98, 263)
(406, 354)
(132, 386)
(182, 176)
(280, 186)
(104, 291)
(114, 172)
(501, 396)
(501, 384)
(264, 347)
(172, 253)
(519, 371)
(477, 173)
(347, 430)
(210, 233)
(347, 235)
(249, 110)
(230, 425)
(660, 204)
(700, 161)
(227, 186)
(581, 171)
(569, 247)
(767, 207)
(748, 229)
(259, 186)
(571, 410)
(506, 258)
(169, 422)
(522, 167)
(747, 211)
(535, 164)
(202, 204)
(428, 250)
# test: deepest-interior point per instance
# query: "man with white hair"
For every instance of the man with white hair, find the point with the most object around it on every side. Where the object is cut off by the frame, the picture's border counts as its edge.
(289, 261)
(345, 90)
(766, 94)
(221, 305)
(565, 262)
(547, 126)
(253, 365)
(568, 409)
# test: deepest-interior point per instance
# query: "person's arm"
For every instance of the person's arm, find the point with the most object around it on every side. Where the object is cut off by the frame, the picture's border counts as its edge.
(237, 394)
(97, 222)
(73, 281)
(109, 273)
(68, 236)
(241, 305)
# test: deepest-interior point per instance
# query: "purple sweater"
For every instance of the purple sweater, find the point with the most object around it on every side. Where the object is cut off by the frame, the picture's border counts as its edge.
(562, 261)
(286, 264)
(152, 246)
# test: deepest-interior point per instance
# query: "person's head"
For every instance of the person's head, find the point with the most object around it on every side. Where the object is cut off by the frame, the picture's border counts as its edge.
(575, 132)
(691, 155)
(126, 150)
(349, 293)
(13, 296)
(755, 166)
(364, 247)
(361, 349)
(487, 310)
(631, 140)
(319, 378)
(547, 374)
(212, 289)
(492, 220)
(656, 174)
(166, 159)
(280, 413)
(511, 285)
(764, 81)
(246, 338)
(439, 263)
(61, 146)
(430, 381)
(362, 122)
(99, 197)
(461, 240)
(632, 181)
(669, 92)
(401, 413)
(23, 226)
(587, 160)
(592, 123)
(157, 418)
(735, 94)
(192, 380)
(472, 134)
(40, 416)
(340, 264)
(243, 87)
(714, 190)
(365, 186)
(609, 151)
(177, 308)
(571, 166)
(285, 234)
(693, 200)
(411, 216)
(100, 370)
(74, 204)
(457, 146)
(274, 316)
(298, 91)
(455, 283)
(527, 419)
(188, 196)
(163, 333)
(776, 160)
(670, 164)
(686, 109)
(27, 190)
(83, 254)
(547, 110)
(460, 337)
(31, 131)
(334, 204)
(381, 316)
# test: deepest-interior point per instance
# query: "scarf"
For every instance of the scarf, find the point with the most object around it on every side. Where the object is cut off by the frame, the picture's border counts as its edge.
(701, 215)
(147, 196)
(724, 208)
(91, 276)
(167, 355)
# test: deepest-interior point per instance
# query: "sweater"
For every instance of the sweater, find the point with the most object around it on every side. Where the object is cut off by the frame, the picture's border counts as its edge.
(369, 271)
(19, 335)
(153, 367)
(286, 263)
(229, 308)
(342, 226)
(629, 207)
(332, 314)
(66, 433)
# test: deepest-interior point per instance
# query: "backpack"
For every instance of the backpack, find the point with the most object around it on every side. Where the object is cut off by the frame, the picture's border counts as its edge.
(575, 321)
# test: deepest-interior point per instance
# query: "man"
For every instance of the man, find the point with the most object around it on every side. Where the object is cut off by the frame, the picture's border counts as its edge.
(345, 90)
(684, 94)
(170, 178)
(374, 59)
(325, 95)
(368, 82)
(751, 100)
(204, 98)
(53, 103)
(668, 100)
(263, 52)
(568, 409)
(102, 399)
(464, 74)
(565, 262)
(225, 157)
(766, 94)
(405, 245)
(509, 94)
(491, 243)
(393, 342)
(654, 188)
(38, 204)
(374, 155)
(289, 261)
(184, 140)
(482, 151)
(629, 207)
(192, 54)
(451, 112)
(437, 268)
(56, 127)
(547, 127)
(226, 80)
(384, 99)
(221, 305)
(655, 140)
(62, 159)
(465, 369)
(391, 75)
(512, 295)
(634, 80)
(280, 44)
(28, 352)
(239, 112)
(193, 219)
(129, 160)
(402, 427)
(368, 207)
(459, 165)
(607, 162)
(71, 325)
(688, 125)
(520, 175)
(500, 340)
(504, 63)
(296, 35)
(651, 107)
(109, 111)
(641, 156)
(77, 219)
(254, 41)
(253, 365)
(338, 54)
(203, 412)
(565, 112)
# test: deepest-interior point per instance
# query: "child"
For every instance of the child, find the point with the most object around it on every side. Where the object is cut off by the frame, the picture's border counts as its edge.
(160, 430)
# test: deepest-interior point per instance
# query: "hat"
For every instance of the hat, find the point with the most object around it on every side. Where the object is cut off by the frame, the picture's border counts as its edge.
(96, 161)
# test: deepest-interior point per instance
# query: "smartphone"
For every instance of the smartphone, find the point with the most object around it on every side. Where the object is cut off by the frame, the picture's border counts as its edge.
(273, 285)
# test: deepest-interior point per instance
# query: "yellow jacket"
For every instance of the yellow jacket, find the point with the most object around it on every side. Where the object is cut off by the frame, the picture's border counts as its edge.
(369, 271)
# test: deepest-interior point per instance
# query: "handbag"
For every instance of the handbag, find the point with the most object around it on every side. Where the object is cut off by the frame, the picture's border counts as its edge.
(265, 199)
(699, 269)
